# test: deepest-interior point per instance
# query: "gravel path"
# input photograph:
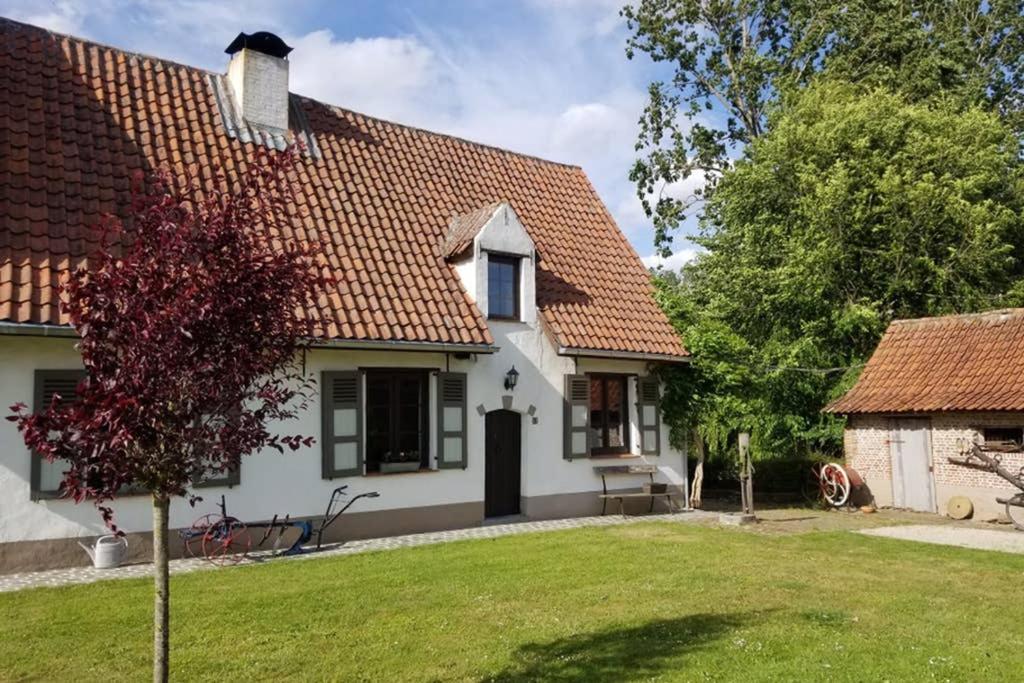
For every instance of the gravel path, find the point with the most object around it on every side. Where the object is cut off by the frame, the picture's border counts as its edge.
(965, 537)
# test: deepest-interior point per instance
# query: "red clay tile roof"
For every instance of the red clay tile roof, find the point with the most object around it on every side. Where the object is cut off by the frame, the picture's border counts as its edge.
(463, 229)
(953, 363)
(77, 118)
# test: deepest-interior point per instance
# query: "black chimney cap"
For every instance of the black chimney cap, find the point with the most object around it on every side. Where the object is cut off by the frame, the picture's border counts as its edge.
(261, 41)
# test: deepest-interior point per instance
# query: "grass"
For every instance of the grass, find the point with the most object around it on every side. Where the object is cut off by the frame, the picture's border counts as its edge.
(651, 601)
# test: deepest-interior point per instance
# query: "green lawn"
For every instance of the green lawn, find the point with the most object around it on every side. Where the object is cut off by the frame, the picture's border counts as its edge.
(640, 602)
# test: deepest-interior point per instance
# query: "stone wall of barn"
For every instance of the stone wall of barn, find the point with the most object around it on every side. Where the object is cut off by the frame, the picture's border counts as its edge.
(867, 446)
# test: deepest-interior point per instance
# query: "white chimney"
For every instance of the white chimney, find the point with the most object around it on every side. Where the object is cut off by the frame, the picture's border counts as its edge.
(258, 74)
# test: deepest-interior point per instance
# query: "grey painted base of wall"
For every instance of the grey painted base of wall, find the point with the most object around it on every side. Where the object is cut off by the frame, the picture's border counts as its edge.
(59, 553)
(986, 509)
(585, 504)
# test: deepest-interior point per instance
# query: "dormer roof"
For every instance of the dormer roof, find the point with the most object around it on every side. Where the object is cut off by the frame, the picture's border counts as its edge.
(463, 229)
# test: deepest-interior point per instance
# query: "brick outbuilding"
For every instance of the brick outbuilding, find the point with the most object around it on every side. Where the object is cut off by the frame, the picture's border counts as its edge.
(932, 387)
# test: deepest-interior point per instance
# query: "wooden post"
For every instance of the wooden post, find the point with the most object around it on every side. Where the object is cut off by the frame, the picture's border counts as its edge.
(746, 474)
(698, 471)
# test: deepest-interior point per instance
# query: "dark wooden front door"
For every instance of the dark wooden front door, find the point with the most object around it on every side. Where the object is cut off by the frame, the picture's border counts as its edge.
(501, 487)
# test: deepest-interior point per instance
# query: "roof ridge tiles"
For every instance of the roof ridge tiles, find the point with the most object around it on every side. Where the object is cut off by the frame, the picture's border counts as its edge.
(87, 42)
(439, 134)
(1007, 313)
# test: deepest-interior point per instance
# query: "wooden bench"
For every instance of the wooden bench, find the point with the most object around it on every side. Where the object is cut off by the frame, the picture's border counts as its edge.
(612, 470)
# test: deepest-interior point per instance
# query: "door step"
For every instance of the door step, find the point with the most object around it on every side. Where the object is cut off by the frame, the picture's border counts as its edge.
(504, 519)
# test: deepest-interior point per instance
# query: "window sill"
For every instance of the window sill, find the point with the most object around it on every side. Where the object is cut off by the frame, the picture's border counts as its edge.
(613, 456)
(40, 496)
(422, 470)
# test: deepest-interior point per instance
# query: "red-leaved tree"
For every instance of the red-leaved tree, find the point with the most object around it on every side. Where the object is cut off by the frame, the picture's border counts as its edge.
(192, 325)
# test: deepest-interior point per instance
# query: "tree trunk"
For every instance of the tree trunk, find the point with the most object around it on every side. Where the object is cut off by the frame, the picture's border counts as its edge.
(698, 471)
(161, 594)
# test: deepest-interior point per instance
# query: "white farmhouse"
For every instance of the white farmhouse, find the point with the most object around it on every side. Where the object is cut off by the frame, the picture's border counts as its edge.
(456, 263)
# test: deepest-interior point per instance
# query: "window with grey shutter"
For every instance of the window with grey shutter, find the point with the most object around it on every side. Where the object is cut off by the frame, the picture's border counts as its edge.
(45, 477)
(452, 448)
(576, 425)
(212, 477)
(232, 477)
(342, 429)
(647, 415)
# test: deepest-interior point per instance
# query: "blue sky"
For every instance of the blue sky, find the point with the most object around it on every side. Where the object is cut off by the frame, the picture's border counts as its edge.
(544, 77)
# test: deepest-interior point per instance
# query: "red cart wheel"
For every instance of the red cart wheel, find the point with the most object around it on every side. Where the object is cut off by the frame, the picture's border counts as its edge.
(194, 536)
(227, 542)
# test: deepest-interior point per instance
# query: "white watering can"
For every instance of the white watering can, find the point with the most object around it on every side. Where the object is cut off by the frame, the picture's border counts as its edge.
(108, 552)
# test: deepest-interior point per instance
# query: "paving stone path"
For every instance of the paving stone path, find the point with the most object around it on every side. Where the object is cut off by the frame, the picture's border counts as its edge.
(62, 577)
(965, 537)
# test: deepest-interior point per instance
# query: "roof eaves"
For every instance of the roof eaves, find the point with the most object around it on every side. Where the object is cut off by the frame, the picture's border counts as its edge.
(66, 331)
(622, 355)
(35, 330)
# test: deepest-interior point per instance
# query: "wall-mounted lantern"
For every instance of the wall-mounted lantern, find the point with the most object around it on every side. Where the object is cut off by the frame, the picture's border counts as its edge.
(511, 377)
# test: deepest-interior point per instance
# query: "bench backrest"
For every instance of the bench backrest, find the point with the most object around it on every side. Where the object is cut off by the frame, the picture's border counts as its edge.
(605, 470)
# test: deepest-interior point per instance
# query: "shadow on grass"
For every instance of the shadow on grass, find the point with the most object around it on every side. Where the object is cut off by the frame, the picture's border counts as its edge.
(638, 652)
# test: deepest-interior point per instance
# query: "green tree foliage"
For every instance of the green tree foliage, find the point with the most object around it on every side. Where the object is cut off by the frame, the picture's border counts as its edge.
(731, 59)
(856, 206)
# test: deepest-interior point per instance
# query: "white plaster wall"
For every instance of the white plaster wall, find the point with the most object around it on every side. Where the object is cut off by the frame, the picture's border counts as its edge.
(272, 483)
(466, 271)
(542, 384)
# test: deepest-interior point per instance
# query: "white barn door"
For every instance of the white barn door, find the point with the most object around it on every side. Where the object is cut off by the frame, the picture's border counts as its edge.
(910, 452)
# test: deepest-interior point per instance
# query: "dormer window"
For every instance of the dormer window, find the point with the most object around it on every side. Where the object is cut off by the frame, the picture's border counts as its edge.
(503, 287)
(496, 260)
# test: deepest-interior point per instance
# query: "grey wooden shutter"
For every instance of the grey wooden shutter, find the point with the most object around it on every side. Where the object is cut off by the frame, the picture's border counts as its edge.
(342, 430)
(648, 415)
(576, 425)
(45, 476)
(452, 449)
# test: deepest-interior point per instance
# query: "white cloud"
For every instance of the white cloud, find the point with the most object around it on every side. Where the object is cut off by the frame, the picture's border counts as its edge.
(380, 76)
(673, 262)
(599, 17)
(62, 17)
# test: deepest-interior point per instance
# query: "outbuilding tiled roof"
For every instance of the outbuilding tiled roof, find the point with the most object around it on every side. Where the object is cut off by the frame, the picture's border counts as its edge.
(953, 363)
(77, 119)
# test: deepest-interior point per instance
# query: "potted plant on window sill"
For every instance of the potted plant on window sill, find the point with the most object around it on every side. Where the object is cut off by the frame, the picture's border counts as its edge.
(403, 461)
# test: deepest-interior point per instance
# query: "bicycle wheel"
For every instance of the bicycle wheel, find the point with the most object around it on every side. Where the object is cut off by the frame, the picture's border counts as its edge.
(228, 542)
